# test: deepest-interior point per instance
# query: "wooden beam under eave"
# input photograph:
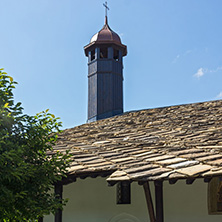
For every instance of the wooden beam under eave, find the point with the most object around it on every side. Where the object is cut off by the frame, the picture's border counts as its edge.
(172, 181)
(40, 219)
(207, 179)
(190, 181)
(149, 201)
(58, 192)
(159, 201)
(123, 191)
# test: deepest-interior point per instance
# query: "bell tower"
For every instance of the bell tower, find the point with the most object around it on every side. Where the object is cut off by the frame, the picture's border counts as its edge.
(105, 54)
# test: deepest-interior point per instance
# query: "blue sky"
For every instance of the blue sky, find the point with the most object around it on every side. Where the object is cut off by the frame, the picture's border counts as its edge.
(174, 52)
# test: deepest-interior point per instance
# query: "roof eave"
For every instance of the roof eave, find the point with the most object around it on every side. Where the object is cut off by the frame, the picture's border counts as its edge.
(93, 44)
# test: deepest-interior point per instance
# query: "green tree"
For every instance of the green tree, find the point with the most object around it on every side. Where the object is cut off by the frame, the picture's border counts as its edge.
(28, 165)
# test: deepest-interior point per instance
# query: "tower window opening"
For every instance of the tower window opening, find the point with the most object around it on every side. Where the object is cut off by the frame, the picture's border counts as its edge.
(103, 53)
(92, 54)
(116, 54)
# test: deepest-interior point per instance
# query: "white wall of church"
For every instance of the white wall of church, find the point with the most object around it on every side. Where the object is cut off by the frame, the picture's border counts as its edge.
(91, 200)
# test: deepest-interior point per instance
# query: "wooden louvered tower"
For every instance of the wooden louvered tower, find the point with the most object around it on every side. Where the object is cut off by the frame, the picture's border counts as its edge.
(105, 74)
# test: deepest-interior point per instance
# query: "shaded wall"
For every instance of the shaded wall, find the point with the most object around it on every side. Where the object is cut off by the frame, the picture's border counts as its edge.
(91, 200)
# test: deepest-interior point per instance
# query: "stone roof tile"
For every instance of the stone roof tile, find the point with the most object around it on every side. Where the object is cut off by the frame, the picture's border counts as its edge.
(166, 143)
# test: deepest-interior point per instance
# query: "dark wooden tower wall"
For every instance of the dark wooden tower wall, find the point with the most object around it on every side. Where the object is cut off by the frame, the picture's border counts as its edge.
(105, 84)
(105, 74)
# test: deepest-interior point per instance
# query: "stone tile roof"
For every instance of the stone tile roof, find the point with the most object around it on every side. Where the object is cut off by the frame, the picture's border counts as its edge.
(176, 142)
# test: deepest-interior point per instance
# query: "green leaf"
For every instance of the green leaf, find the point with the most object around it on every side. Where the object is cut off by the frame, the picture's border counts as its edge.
(6, 105)
(27, 173)
(11, 79)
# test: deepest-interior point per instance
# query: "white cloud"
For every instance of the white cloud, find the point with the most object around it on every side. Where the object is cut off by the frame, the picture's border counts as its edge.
(216, 70)
(175, 60)
(200, 72)
(219, 96)
(188, 52)
(182, 55)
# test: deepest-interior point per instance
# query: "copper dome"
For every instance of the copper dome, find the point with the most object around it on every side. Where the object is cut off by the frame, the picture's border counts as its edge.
(106, 34)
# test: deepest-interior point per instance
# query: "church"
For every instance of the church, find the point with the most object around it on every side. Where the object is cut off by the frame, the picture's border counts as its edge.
(162, 164)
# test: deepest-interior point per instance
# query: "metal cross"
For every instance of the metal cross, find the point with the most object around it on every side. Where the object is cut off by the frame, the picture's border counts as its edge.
(107, 8)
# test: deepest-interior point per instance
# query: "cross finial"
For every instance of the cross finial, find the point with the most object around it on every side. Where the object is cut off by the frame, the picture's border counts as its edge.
(106, 8)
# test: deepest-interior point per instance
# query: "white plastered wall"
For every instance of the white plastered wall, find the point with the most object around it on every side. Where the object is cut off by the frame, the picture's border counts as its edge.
(91, 200)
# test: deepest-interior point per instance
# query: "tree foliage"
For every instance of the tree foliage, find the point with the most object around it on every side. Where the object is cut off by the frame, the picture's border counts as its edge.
(27, 171)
